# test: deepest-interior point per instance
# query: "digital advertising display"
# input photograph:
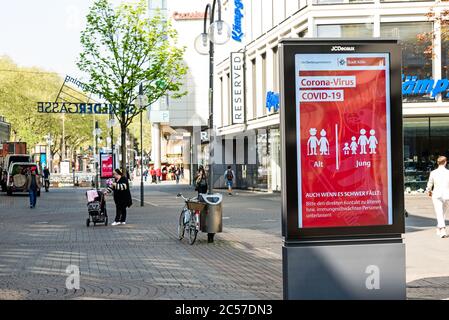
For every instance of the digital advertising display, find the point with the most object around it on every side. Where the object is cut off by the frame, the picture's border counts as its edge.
(106, 165)
(343, 132)
(341, 120)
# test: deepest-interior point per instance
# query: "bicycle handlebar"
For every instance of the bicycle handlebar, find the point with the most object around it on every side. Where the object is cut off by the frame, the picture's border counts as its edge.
(179, 195)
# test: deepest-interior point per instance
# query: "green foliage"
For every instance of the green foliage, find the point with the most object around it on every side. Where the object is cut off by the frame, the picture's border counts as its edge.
(122, 48)
(21, 89)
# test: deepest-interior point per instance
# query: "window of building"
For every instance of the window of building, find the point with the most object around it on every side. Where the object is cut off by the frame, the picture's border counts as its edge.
(254, 87)
(264, 83)
(275, 69)
(229, 113)
(345, 30)
(263, 159)
(414, 62)
(222, 106)
(445, 58)
(425, 139)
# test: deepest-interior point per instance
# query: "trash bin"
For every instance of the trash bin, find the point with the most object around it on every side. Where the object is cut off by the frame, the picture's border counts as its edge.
(211, 218)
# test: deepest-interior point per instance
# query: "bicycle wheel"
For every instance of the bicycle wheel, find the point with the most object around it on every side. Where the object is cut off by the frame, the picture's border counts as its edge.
(181, 224)
(193, 231)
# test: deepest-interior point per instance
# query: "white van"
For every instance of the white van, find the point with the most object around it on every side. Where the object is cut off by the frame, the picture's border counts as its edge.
(16, 179)
(11, 158)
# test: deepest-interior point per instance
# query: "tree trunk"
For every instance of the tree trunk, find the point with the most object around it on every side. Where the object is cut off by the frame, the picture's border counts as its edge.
(123, 146)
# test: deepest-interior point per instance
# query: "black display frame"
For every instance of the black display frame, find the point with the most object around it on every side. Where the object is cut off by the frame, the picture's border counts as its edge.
(288, 48)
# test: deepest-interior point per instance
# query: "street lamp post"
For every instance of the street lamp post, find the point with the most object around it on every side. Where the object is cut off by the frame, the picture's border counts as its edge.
(219, 33)
(97, 132)
(142, 101)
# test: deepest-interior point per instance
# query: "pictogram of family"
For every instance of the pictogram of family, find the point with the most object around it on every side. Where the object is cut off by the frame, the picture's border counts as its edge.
(323, 143)
(362, 142)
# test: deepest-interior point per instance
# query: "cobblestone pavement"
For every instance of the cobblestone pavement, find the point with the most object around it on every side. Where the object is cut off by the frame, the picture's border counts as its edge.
(144, 260)
(427, 255)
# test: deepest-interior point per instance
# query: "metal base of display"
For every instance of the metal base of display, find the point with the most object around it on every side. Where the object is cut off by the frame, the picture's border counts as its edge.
(344, 271)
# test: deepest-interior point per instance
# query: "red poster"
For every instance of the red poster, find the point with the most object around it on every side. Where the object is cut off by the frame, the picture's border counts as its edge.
(106, 166)
(343, 135)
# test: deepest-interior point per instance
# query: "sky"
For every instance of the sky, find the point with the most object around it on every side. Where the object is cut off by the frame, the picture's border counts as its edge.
(43, 33)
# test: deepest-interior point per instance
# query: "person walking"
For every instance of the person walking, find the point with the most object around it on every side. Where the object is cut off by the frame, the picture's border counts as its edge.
(229, 179)
(33, 184)
(177, 174)
(158, 175)
(438, 189)
(122, 196)
(46, 175)
(153, 175)
(201, 181)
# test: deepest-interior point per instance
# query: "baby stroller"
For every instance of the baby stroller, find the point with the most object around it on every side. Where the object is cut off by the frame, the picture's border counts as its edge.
(96, 208)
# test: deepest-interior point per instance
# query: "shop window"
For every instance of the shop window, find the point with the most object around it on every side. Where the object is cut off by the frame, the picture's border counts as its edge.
(414, 62)
(416, 152)
(439, 133)
(425, 139)
(345, 30)
(263, 160)
(445, 58)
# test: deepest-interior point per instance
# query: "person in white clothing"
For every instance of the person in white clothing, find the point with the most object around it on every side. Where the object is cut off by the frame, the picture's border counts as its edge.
(438, 189)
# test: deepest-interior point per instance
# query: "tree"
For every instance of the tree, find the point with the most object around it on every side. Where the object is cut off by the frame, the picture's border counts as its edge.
(20, 89)
(440, 16)
(122, 48)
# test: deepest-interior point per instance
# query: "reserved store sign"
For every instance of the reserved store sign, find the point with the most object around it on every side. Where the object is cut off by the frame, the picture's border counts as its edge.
(238, 87)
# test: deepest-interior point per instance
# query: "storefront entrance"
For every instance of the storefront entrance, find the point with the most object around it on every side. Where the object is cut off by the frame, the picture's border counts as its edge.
(425, 138)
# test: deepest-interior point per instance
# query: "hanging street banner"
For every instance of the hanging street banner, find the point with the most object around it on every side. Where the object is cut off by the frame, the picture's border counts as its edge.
(238, 87)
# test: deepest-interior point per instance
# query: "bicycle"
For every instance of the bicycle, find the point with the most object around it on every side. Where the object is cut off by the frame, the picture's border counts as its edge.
(190, 218)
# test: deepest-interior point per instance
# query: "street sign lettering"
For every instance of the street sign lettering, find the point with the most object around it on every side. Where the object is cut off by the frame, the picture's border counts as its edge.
(237, 87)
(80, 108)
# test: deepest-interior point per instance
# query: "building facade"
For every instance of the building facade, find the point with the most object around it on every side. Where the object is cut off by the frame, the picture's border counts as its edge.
(253, 147)
(177, 123)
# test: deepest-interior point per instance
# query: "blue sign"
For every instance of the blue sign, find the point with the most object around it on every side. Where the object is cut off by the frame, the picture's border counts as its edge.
(411, 85)
(43, 160)
(272, 101)
(237, 32)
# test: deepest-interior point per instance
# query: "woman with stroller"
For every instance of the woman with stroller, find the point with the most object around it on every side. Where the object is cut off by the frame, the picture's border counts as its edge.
(122, 196)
